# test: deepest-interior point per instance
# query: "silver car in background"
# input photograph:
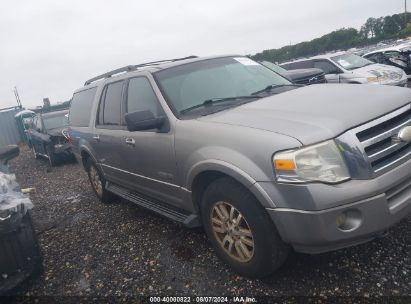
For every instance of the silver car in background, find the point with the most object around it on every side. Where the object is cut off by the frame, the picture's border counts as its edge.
(344, 67)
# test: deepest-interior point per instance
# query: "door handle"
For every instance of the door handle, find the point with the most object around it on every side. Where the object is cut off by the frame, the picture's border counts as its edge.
(96, 137)
(130, 141)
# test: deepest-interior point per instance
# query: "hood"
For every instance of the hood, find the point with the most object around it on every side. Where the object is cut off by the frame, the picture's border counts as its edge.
(393, 73)
(56, 131)
(301, 73)
(315, 113)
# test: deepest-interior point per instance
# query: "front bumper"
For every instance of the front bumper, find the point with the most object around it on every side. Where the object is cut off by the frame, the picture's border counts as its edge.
(63, 149)
(378, 204)
(400, 83)
(317, 231)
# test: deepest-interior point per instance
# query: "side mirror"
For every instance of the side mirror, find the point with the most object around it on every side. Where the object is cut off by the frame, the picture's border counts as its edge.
(143, 120)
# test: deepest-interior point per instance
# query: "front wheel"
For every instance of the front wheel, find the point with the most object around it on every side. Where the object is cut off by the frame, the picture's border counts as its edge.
(240, 230)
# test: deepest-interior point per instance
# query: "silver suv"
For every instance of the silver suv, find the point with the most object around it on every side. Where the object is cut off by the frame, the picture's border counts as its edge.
(343, 67)
(263, 165)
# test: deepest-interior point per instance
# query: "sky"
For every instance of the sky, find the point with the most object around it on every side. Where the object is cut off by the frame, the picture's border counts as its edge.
(48, 48)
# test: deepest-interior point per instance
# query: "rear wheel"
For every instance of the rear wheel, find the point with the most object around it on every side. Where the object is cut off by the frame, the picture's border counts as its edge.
(98, 183)
(240, 230)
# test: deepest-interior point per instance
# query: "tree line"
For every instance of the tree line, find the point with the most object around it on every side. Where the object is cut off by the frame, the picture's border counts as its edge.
(373, 31)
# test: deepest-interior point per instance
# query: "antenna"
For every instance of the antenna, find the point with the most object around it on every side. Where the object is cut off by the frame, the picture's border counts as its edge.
(16, 93)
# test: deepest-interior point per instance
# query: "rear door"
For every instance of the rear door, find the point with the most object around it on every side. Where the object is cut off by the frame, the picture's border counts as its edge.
(106, 138)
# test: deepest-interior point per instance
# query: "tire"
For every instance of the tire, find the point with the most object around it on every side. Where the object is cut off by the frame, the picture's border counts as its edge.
(51, 156)
(36, 156)
(95, 177)
(268, 252)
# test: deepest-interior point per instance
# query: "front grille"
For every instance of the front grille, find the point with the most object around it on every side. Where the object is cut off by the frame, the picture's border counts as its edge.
(311, 80)
(377, 139)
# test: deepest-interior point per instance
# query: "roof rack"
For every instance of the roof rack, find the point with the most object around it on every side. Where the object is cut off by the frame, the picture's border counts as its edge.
(130, 68)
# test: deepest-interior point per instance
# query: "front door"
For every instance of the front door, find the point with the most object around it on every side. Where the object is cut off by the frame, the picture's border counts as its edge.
(36, 136)
(331, 71)
(148, 162)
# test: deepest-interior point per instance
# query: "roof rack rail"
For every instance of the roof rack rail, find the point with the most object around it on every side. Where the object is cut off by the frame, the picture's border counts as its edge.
(130, 68)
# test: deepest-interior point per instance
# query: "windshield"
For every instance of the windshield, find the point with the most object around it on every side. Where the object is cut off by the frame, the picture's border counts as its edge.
(273, 67)
(188, 85)
(55, 122)
(351, 61)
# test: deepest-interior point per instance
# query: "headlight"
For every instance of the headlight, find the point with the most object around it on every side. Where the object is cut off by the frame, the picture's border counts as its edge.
(318, 163)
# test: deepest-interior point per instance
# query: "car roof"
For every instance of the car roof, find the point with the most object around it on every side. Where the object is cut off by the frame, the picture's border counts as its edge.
(152, 68)
(391, 48)
(54, 113)
(322, 56)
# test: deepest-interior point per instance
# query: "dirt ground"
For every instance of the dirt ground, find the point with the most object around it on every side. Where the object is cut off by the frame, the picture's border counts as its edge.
(120, 249)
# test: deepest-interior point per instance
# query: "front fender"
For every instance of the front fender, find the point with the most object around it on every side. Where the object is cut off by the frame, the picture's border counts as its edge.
(233, 171)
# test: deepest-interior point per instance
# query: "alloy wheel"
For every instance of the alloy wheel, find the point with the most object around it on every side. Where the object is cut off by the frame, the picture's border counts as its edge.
(96, 181)
(232, 231)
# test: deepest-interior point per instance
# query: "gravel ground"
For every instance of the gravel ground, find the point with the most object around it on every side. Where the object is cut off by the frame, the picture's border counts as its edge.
(120, 249)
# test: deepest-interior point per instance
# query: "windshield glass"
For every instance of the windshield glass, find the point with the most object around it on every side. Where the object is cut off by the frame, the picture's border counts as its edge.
(55, 122)
(351, 61)
(273, 67)
(188, 85)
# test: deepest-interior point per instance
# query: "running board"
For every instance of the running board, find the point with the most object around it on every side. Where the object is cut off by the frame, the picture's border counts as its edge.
(178, 215)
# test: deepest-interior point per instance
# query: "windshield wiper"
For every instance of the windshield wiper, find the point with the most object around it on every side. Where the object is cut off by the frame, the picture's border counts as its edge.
(275, 86)
(218, 100)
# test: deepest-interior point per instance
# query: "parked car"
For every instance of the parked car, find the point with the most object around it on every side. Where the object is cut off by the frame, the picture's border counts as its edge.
(346, 67)
(19, 250)
(299, 76)
(48, 137)
(396, 55)
(263, 164)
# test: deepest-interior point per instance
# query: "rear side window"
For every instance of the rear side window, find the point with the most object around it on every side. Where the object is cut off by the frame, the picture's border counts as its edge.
(110, 105)
(80, 108)
(141, 96)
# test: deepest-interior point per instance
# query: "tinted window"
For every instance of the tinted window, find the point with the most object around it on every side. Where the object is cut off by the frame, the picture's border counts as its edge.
(141, 97)
(326, 66)
(80, 108)
(110, 107)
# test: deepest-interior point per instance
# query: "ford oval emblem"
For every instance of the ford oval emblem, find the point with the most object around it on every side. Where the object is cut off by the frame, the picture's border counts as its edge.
(404, 135)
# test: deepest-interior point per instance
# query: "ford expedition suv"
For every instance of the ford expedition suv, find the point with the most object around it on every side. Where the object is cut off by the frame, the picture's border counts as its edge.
(263, 165)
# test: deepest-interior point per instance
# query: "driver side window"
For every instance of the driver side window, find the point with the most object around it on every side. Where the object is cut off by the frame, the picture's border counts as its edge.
(326, 66)
(141, 97)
